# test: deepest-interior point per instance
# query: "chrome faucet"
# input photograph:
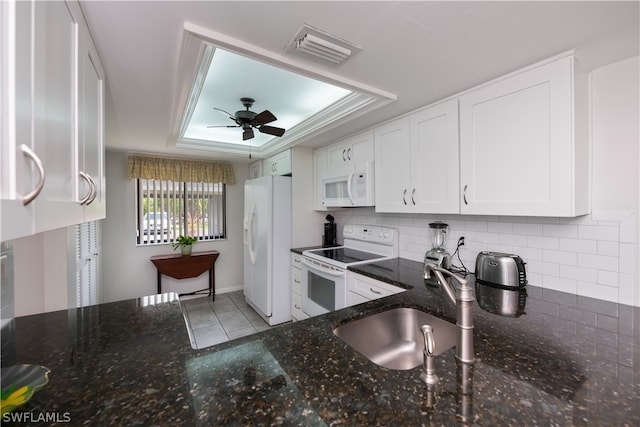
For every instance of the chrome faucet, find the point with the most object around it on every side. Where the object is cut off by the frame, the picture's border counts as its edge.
(463, 300)
(428, 374)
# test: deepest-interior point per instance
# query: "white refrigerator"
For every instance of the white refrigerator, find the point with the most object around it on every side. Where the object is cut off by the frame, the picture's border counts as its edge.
(267, 247)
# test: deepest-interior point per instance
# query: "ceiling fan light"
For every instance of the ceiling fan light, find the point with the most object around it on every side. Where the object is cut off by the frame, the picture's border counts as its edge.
(247, 134)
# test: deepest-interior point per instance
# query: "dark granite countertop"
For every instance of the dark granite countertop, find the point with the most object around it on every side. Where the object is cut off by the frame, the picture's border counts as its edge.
(567, 361)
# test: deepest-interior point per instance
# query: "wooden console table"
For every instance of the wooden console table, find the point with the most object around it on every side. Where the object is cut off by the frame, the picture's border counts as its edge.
(187, 266)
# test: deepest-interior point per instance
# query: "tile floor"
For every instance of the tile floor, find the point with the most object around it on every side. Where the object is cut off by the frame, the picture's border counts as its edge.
(226, 318)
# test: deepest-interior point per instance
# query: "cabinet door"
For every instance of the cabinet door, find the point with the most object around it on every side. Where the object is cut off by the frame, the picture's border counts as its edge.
(338, 163)
(91, 130)
(360, 151)
(255, 169)
(434, 159)
(392, 166)
(351, 155)
(278, 164)
(516, 144)
(368, 288)
(319, 172)
(55, 111)
(17, 173)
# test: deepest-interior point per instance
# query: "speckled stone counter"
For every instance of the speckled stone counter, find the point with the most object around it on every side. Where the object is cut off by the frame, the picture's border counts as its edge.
(565, 361)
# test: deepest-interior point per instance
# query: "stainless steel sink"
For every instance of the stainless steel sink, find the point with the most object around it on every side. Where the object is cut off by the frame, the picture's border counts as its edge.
(393, 338)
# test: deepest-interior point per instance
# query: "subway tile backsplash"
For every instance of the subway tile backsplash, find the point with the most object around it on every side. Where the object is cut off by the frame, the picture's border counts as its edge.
(592, 255)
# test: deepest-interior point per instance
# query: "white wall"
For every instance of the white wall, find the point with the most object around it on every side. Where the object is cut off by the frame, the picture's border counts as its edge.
(40, 273)
(594, 255)
(127, 271)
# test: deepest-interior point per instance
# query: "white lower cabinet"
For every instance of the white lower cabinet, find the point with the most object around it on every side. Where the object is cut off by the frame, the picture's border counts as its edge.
(363, 288)
(296, 288)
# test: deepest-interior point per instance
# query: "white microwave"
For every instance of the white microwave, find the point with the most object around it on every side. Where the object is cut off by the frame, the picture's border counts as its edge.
(351, 190)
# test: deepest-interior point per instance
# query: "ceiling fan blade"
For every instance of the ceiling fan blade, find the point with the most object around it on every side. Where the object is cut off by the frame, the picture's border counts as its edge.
(271, 130)
(226, 112)
(224, 126)
(247, 134)
(265, 117)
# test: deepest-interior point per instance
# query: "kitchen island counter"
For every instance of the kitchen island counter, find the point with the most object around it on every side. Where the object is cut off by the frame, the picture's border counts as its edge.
(568, 360)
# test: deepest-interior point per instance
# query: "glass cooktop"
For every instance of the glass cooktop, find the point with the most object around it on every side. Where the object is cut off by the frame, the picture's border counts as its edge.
(346, 255)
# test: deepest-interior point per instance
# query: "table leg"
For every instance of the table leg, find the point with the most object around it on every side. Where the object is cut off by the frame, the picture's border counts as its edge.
(159, 282)
(212, 286)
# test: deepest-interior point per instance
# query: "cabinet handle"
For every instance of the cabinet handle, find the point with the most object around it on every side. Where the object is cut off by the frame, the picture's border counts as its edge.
(92, 189)
(29, 153)
(349, 153)
(404, 197)
(464, 194)
(297, 307)
(413, 193)
(296, 260)
(297, 281)
(343, 153)
(375, 291)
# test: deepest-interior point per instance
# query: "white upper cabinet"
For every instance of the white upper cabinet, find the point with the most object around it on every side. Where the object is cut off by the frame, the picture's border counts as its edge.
(278, 164)
(255, 169)
(91, 168)
(55, 111)
(52, 117)
(393, 166)
(319, 172)
(21, 169)
(523, 144)
(351, 155)
(416, 165)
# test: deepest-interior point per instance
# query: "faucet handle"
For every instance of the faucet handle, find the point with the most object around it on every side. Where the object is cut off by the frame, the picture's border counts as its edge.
(428, 374)
(429, 340)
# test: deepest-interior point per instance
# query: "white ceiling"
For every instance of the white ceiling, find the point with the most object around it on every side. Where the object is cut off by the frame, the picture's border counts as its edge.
(420, 51)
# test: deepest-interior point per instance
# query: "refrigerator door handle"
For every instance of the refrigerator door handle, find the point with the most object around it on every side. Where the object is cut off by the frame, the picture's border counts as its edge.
(248, 232)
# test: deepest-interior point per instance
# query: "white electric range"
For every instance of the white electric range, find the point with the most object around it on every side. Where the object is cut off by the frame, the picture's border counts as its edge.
(324, 271)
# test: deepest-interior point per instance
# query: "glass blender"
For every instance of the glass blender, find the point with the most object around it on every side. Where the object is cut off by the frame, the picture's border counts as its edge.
(438, 255)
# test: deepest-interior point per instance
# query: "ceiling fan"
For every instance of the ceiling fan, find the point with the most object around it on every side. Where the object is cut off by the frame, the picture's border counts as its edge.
(247, 120)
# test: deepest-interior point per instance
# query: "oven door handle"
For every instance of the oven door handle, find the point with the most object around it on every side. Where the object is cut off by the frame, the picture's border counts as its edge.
(318, 267)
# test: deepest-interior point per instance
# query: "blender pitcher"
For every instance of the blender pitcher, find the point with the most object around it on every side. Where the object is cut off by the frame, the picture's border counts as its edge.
(438, 255)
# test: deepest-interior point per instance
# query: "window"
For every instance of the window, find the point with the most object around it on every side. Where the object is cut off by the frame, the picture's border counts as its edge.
(167, 209)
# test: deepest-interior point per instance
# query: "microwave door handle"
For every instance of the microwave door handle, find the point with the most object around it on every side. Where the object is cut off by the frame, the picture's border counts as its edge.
(349, 192)
(322, 269)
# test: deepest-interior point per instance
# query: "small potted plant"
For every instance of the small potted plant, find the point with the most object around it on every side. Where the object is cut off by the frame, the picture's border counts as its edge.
(185, 243)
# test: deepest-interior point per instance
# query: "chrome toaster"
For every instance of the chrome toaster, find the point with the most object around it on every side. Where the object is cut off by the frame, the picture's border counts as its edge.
(501, 270)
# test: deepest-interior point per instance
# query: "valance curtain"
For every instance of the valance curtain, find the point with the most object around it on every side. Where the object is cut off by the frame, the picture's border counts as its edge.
(142, 167)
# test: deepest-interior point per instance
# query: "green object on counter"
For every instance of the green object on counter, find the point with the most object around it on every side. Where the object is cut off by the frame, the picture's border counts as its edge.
(19, 384)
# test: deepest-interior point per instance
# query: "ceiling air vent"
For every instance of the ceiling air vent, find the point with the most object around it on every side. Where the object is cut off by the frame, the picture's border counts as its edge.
(310, 41)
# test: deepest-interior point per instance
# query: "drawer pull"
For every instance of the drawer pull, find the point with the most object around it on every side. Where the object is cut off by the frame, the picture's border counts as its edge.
(375, 291)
